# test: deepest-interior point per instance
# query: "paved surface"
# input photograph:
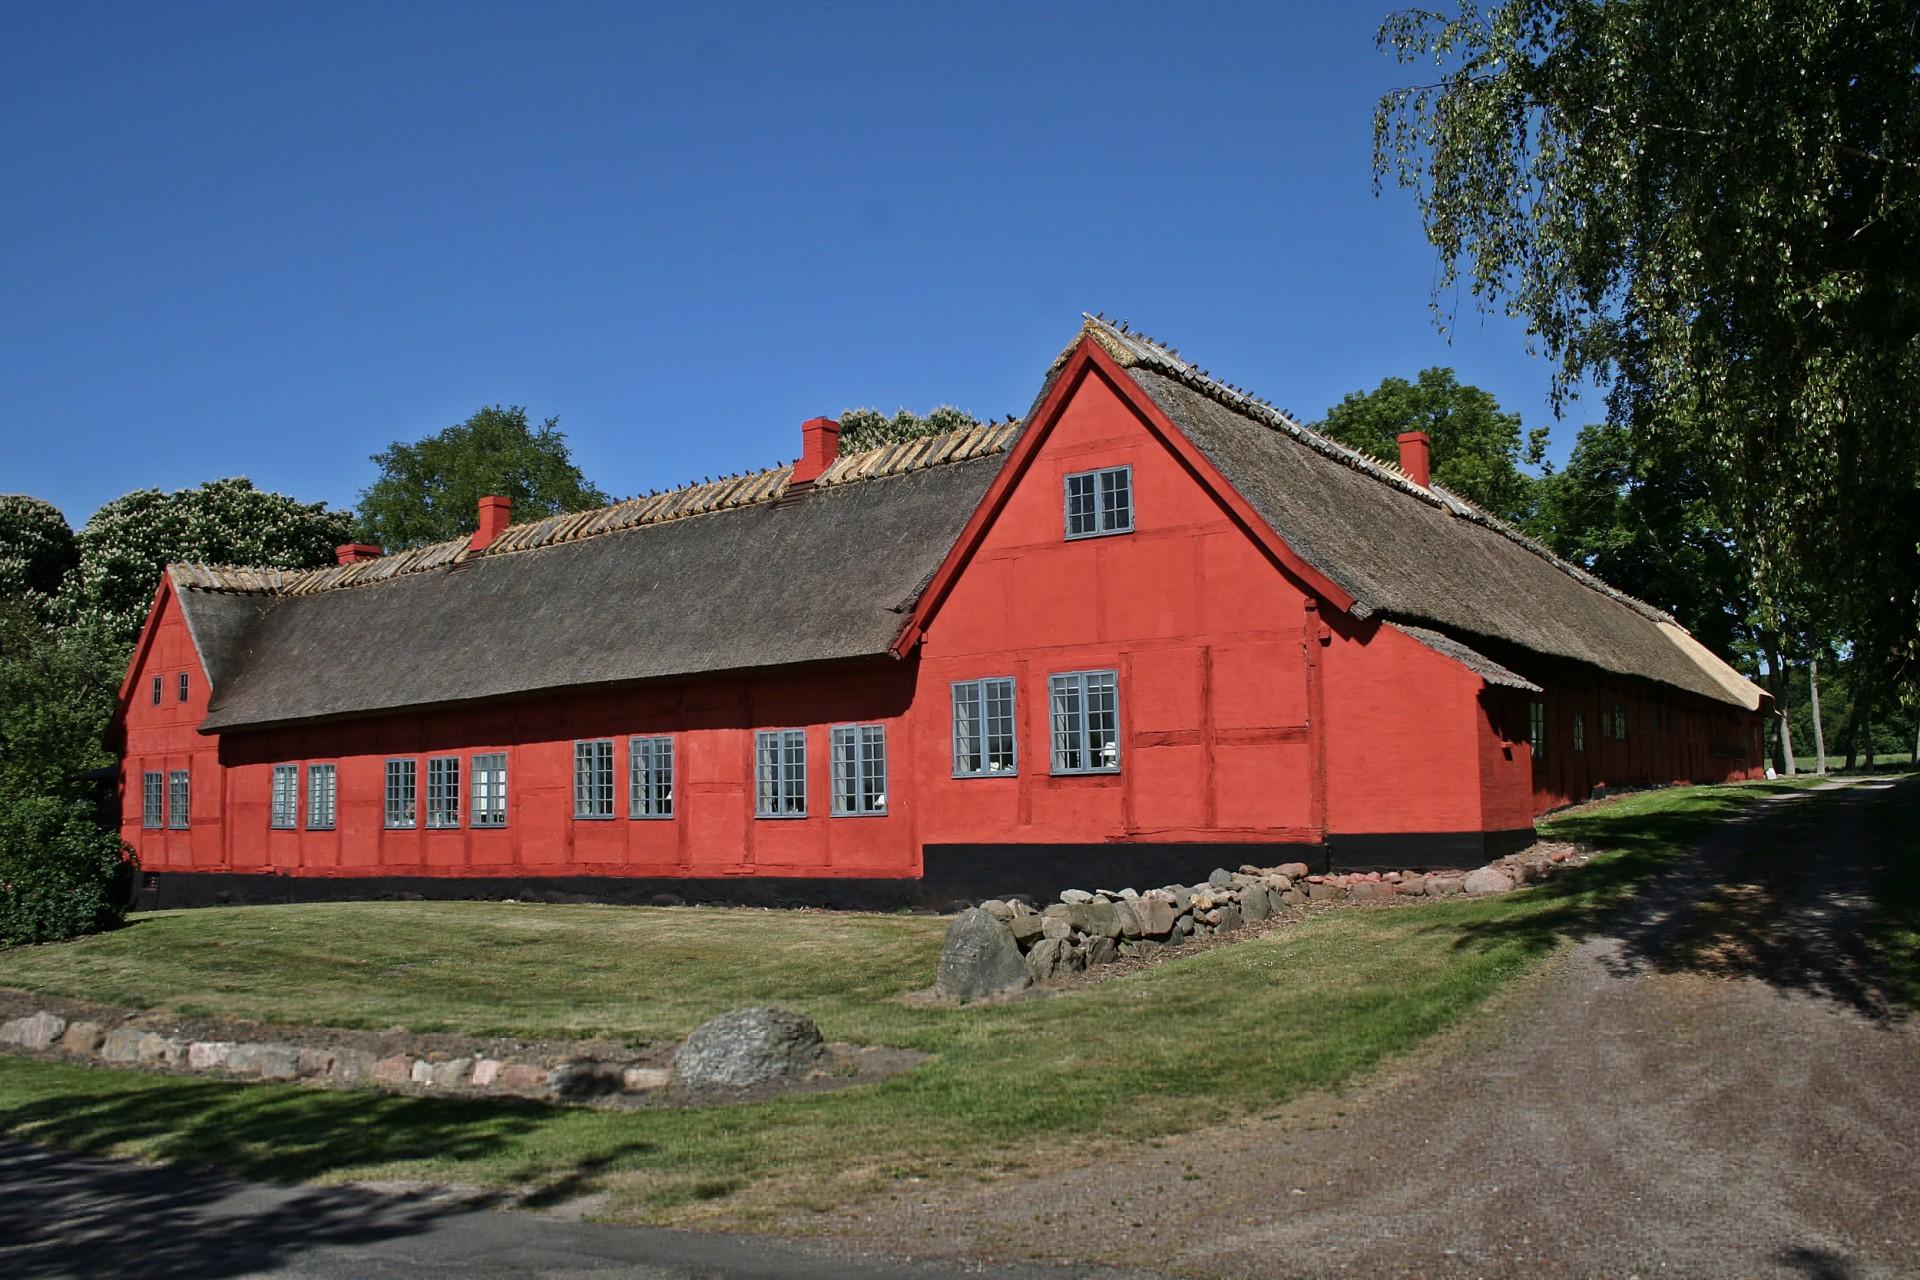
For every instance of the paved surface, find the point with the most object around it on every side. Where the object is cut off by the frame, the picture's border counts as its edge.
(1626, 1116)
(68, 1215)
(1754, 1116)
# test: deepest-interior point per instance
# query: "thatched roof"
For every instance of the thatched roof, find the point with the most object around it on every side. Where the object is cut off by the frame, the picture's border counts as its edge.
(1414, 554)
(723, 576)
(750, 571)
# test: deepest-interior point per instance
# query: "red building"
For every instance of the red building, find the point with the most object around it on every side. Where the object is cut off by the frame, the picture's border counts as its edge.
(1117, 643)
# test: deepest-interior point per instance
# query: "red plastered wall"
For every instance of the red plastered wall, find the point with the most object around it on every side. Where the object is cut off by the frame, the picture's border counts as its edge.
(164, 737)
(1203, 629)
(713, 831)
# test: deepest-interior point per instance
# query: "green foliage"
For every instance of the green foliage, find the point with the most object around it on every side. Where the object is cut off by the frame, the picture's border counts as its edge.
(1717, 212)
(430, 491)
(869, 428)
(61, 869)
(1652, 529)
(37, 550)
(129, 541)
(1477, 450)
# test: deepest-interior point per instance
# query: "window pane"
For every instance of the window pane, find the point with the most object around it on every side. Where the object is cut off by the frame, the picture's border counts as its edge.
(320, 796)
(1067, 723)
(443, 791)
(179, 796)
(999, 698)
(1080, 505)
(873, 769)
(153, 799)
(156, 691)
(286, 798)
(1116, 500)
(489, 779)
(650, 777)
(402, 792)
(1103, 720)
(966, 728)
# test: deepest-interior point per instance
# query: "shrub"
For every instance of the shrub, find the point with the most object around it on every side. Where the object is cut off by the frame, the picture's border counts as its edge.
(62, 873)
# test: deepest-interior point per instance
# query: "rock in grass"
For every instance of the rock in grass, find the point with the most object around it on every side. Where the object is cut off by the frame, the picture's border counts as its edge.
(1051, 958)
(37, 1031)
(1254, 903)
(981, 958)
(82, 1037)
(1487, 880)
(751, 1046)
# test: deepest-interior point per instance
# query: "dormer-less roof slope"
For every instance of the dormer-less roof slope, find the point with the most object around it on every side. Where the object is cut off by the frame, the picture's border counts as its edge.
(1415, 555)
(727, 575)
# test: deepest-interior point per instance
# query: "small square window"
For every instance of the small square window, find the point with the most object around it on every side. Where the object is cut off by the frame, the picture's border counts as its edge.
(490, 790)
(593, 778)
(286, 796)
(443, 791)
(322, 791)
(403, 783)
(179, 799)
(1099, 503)
(1084, 709)
(650, 780)
(780, 773)
(153, 799)
(859, 769)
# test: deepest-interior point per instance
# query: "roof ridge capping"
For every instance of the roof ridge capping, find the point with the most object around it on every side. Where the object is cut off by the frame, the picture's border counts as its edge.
(1133, 349)
(701, 497)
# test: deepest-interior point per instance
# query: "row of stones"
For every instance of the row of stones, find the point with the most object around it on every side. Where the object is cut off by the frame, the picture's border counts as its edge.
(574, 1079)
(1003, 946)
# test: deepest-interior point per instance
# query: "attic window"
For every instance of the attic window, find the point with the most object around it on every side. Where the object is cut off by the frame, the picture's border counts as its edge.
(156, 691)
(183, 686)
(1100, 503)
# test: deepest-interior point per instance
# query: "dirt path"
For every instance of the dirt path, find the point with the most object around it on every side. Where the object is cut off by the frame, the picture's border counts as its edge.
(1647, 1106)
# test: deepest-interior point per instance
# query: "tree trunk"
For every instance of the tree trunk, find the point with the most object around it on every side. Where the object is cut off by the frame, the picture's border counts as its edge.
(1916, 737)
(1819, 733)
(1780, 704)
(1852, 730)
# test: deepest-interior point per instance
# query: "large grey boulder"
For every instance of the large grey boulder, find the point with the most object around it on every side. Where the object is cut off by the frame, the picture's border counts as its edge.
(981, 958)
(38, 1031)
(1488, 880)
(752, 1046)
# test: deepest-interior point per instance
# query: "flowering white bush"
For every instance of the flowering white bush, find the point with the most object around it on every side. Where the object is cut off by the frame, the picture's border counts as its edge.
(37, 551)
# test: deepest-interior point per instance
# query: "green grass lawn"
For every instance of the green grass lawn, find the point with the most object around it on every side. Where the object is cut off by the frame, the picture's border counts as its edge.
(1895, 934)
(1226, 1032)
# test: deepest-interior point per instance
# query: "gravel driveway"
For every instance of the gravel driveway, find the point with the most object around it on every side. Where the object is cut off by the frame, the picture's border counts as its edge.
(1620, 1116)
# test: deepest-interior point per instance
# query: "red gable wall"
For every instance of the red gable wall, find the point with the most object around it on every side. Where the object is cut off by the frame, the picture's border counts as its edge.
(165, 737)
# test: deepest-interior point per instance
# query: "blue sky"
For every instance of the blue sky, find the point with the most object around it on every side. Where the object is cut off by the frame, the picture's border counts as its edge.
(267, 240)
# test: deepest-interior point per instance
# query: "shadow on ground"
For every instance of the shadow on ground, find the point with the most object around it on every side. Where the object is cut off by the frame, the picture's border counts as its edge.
(1779, 888)
(111, 1219)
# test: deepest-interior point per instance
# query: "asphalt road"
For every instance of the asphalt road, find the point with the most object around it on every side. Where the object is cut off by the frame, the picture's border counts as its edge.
(69, 1215)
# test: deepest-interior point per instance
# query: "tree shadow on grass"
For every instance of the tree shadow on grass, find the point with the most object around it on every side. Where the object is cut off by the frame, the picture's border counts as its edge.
(1775, 889)
(69, 1216)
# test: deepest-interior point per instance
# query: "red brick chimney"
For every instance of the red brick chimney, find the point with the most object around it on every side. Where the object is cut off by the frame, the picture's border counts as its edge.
(1416, 457)
(355, 552)
(819, 447)
(495, 515)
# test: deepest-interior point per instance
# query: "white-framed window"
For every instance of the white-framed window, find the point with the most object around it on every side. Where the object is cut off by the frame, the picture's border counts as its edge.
(490, 790)
(1579, 731)
(983, 728)
(1084, 710)
(593, 778)
(780, 773)
(179, 799)
(403, 792)
(323, 793)
(184, 684)
(157, 686)
(1099, 502)
(443, 791)
(1537, 729)
(650, 777)
(286, 796)
(153, 799)
(1619, 722)
(859, 769)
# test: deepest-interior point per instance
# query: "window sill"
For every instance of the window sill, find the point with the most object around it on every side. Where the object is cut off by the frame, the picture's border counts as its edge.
(998, 773)
(651, 817)
(1084, 773)
(1103, 533)
(593, 817)
(778, 817)
(868, 813)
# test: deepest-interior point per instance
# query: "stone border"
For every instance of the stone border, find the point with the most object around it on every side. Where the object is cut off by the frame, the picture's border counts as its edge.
(594, 1073)
(1004, 947)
